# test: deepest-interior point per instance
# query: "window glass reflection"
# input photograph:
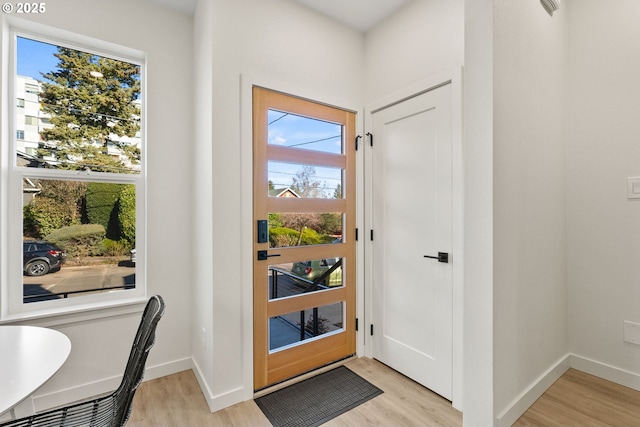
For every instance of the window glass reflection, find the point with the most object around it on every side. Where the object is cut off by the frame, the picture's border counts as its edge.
(286, 280)
(294, 328)
(291, 130)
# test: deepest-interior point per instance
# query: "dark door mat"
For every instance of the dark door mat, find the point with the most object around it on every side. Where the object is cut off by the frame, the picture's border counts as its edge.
(318, 399)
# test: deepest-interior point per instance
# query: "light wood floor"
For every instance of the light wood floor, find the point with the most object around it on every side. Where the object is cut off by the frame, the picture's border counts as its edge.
(577, 399)
(176, 400)
(582, 400)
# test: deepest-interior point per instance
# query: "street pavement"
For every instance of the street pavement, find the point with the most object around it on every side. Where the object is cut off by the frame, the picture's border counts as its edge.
(80, 278)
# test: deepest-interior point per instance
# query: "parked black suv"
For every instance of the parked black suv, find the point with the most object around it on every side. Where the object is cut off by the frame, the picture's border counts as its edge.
(39, 258)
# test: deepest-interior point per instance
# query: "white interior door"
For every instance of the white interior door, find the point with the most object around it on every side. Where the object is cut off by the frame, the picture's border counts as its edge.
(412, 219)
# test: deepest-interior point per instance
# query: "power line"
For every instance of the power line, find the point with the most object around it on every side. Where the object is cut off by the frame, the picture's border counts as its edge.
(281, 117)
(88, 113)
(313, 142)
(332, 178)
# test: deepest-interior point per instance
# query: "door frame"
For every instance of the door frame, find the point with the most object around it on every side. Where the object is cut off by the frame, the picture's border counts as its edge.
(247, 81)
(454, 78)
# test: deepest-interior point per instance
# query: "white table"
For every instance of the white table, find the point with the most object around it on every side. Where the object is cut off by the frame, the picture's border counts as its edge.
(29, 356)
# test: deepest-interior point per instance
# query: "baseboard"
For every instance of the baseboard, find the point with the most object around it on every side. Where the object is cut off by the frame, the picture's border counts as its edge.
(42, 402)
(217, 402)
(520, 404)
(607, 372)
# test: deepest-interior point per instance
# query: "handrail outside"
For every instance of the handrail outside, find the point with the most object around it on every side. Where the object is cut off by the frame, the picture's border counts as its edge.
(313, 286)
(26, 298)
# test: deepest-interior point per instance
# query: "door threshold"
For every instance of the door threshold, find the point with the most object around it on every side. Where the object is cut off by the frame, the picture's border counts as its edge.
(302, 377)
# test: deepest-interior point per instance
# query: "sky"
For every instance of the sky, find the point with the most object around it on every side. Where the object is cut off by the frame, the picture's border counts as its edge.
(304, 133)
(35, 57)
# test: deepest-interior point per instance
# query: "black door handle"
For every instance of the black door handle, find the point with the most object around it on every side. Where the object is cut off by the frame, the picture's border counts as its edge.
(263, 255)
(442, 257)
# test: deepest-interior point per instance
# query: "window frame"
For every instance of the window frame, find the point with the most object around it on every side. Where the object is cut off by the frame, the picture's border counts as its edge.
(12, 306)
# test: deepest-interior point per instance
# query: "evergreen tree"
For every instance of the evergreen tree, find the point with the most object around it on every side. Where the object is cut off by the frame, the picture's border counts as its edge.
(92, 102)
(337, 193)
(127, 214)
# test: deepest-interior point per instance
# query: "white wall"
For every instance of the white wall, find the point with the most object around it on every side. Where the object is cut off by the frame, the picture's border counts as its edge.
(101, 346)
(422, 39)
(565, 237)
(278, 41)
(604, 148)
(202, 227)
(536, 217)
(530, 298)
(478, 217)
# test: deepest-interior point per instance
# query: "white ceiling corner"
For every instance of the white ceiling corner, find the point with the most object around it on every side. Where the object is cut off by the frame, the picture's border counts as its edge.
(361, 15)
(184, 6)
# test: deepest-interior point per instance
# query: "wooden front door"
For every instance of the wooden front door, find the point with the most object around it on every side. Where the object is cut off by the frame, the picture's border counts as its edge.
(304, 235)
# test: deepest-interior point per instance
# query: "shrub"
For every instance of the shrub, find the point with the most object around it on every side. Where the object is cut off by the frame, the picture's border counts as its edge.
(100, 201)
(115, 247)
(275, 220)
(282, 236)
(79, 240)
(43, 215)
(127, 214)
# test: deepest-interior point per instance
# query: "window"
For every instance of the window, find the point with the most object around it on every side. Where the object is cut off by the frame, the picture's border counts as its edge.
(32, 88)
(79, 176)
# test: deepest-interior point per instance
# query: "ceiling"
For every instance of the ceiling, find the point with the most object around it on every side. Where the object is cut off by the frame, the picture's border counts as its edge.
(361, 15)
(184, 6)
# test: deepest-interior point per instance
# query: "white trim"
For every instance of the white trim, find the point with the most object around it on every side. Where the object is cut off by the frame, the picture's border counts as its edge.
(12, 307)
(49, 34)
(521, 403)
(247, 82)
(78, 313)
(219, 401)
(413, 90)
(453, 77)
(606, 371)
(246, 207)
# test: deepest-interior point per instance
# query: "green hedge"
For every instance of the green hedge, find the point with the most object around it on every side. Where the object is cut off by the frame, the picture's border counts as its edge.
(42, 216)
(79, 240)
(282, 236)
(127, 214)
(100, 201)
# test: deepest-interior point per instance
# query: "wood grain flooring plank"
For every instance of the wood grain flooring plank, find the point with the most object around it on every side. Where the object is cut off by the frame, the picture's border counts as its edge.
(577, 399)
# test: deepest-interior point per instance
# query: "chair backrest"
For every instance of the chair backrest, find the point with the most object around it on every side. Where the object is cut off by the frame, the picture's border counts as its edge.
(134, 372)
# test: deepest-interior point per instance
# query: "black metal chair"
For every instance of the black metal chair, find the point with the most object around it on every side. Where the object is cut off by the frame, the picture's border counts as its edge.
(114, 409)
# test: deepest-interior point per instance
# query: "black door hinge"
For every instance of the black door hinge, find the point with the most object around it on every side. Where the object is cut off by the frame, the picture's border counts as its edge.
(356, 234)
(371, 235)
(356, 323)
(372, 329)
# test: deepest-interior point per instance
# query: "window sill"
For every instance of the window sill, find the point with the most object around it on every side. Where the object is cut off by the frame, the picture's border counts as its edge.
(76, 314)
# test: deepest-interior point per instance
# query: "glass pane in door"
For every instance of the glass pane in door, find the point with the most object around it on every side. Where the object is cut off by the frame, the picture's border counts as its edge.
(292, 130)
(304, 181)
(303, 277)
(285, 330)
(304, 229)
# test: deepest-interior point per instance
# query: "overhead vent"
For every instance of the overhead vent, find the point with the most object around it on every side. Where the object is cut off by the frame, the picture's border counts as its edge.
(550, 5)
